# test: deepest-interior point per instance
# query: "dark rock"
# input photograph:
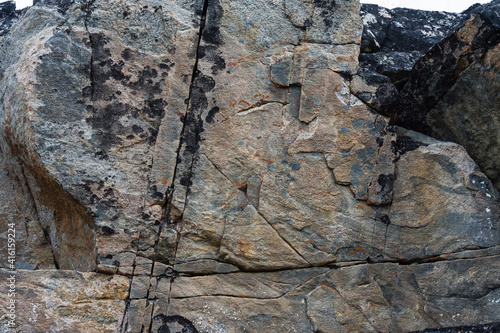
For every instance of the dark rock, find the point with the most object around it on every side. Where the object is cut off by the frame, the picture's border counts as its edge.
(61, 5)
(376, 21)
(7, 8)
(452, 86)
(395, 65)
(376, 90)
(417, 30)
(7, 14)
(489, 11)
(397, 38)
(404, 29)
(486, 328)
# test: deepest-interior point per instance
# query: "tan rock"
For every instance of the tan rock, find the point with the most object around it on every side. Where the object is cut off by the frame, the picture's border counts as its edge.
(67, 301)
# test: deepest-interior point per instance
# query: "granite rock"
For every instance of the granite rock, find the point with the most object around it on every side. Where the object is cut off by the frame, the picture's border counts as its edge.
(226, 166)
(393, 40)
(453, 84)
(66, 301)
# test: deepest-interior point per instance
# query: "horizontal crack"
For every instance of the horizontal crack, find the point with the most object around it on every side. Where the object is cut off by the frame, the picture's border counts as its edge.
(261, 103)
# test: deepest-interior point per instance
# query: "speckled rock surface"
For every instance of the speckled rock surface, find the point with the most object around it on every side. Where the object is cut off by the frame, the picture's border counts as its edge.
(219, 166)
(67, 301)
(452, 93)
(393, 40)
(7, 15)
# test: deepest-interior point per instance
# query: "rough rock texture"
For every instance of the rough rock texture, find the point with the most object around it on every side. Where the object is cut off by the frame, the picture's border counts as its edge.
(7, 15)
(449, 88)
(206, 166)
(393, 40)
(452, 93)
(68, 301)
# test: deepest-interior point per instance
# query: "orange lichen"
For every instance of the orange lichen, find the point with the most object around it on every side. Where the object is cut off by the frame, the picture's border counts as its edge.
(359, 249)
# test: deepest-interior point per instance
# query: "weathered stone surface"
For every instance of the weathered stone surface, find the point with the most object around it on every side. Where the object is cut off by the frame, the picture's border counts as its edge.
(417, 30)
(108, 116)
(7, 8)
(376, 21)
(7, 16)
(66, 301)
(393, 40)
(20, 220)
(404, 29)
(395, 65)
(225, 166)
(371, 298)
(376, 90)
(478, 328)
(449, 88)
(452, 86)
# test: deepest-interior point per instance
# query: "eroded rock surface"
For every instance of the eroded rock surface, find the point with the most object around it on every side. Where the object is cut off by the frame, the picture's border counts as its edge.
(393, 40)
(452, 92)
(217, 166)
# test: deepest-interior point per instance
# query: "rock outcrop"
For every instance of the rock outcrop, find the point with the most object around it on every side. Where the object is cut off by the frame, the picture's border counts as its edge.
(220, 166)
(7, 15)
(452, 93)
(393, 40)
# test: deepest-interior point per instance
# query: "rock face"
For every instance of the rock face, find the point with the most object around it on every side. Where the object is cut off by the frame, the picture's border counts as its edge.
(7, 14)
(393, 40)
(217, 166)
(452, 93)
(449, 88)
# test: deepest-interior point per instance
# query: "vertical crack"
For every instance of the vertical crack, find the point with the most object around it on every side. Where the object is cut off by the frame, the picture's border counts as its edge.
(390, 207)
(167, 206)
(314, 329)
(151, 319)
(87, 9)
(37, 212)
(184, 139)
(166, 218)
(127, 305)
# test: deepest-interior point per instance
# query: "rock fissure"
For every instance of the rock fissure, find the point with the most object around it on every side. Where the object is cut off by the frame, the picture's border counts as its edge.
(87, 8)
(284, 239)
(354, 307)
(127, 302)
(259, 104)
(313, 327)
(257, 210)
(44, 229)
(167, 208)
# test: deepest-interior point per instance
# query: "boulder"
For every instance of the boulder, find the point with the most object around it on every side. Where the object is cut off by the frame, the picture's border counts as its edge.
(453, 85)
(393, 40)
